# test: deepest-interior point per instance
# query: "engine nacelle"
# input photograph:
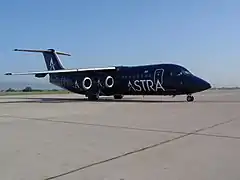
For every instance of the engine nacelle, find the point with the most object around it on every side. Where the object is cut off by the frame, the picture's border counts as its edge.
(87, 83)
(109, 82)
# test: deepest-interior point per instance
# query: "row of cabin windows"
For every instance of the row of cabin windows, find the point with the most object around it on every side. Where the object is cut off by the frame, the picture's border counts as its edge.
(137, 76)
(140, 76)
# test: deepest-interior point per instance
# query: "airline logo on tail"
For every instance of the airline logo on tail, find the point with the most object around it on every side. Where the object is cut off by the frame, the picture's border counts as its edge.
(52, 65)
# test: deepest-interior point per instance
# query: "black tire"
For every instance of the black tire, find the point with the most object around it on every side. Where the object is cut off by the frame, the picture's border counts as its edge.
(118, 96)
(93, 97)
(190, 98)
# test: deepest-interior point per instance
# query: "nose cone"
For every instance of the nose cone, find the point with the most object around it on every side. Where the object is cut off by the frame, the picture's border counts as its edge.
(202, 85)
(193, 84)
(206, 85)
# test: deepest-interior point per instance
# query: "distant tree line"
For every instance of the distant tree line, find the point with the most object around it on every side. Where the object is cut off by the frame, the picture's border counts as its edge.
(225, 88)
(28, 89)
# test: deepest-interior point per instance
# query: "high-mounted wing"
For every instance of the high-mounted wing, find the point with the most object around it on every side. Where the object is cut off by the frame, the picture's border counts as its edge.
(62, 71)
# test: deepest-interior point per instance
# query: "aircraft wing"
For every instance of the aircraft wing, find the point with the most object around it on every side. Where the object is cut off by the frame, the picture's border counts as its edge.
(61, 71)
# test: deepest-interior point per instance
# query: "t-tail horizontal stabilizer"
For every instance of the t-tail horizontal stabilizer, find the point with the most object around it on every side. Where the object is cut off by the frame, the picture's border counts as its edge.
(51, 58)
(54, 64)
(43, 51)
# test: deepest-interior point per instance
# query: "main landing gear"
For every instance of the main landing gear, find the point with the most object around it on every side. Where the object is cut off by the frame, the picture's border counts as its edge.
(118, 96)
(93, 97)
(190, 98)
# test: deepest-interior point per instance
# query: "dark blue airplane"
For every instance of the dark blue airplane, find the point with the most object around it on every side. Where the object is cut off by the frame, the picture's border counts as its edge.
(117, 81)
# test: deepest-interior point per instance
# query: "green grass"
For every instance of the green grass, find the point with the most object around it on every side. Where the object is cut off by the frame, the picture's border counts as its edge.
(33, 92)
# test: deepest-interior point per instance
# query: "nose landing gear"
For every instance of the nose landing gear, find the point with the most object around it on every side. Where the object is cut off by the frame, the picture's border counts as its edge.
(190, 98)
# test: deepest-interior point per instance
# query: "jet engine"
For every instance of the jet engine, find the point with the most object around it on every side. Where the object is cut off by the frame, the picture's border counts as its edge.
(87, 83)
(109, 82)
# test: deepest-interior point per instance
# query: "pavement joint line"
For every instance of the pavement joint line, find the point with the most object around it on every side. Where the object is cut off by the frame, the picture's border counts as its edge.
(115, 157)
(96, 125)
(130, 128)
(121, 127)
(217, 135)
(139, 150)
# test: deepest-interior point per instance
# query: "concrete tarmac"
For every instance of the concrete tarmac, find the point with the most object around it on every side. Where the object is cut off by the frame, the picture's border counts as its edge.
(66, 137)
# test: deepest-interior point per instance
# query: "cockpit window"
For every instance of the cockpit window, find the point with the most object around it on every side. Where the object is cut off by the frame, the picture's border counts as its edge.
(183, 72)
(179, 71)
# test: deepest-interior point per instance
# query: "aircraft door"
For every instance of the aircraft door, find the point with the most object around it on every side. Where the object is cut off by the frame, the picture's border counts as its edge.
(158, 79)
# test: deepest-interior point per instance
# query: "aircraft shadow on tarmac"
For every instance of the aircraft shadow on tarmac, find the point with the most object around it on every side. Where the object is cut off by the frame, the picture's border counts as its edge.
(76, 100)
(103, 100)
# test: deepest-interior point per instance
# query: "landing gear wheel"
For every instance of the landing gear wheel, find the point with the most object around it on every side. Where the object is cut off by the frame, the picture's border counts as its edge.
(118, 96)
(190, 98)
(93, 97)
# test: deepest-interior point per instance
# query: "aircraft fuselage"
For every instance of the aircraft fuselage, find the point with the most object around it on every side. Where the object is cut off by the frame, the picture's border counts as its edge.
(161, 79)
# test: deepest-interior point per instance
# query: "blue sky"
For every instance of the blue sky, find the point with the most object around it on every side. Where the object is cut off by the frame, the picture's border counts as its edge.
(201, 35)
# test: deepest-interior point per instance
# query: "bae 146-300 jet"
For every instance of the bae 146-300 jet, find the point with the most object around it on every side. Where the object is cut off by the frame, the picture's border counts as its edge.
(117, 81)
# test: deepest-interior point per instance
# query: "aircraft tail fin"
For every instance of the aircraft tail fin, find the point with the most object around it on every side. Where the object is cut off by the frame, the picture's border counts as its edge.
(51, 58)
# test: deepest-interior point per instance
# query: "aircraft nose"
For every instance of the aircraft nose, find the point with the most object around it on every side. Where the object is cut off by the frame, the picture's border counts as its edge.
(203, 85)
(206, 85)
